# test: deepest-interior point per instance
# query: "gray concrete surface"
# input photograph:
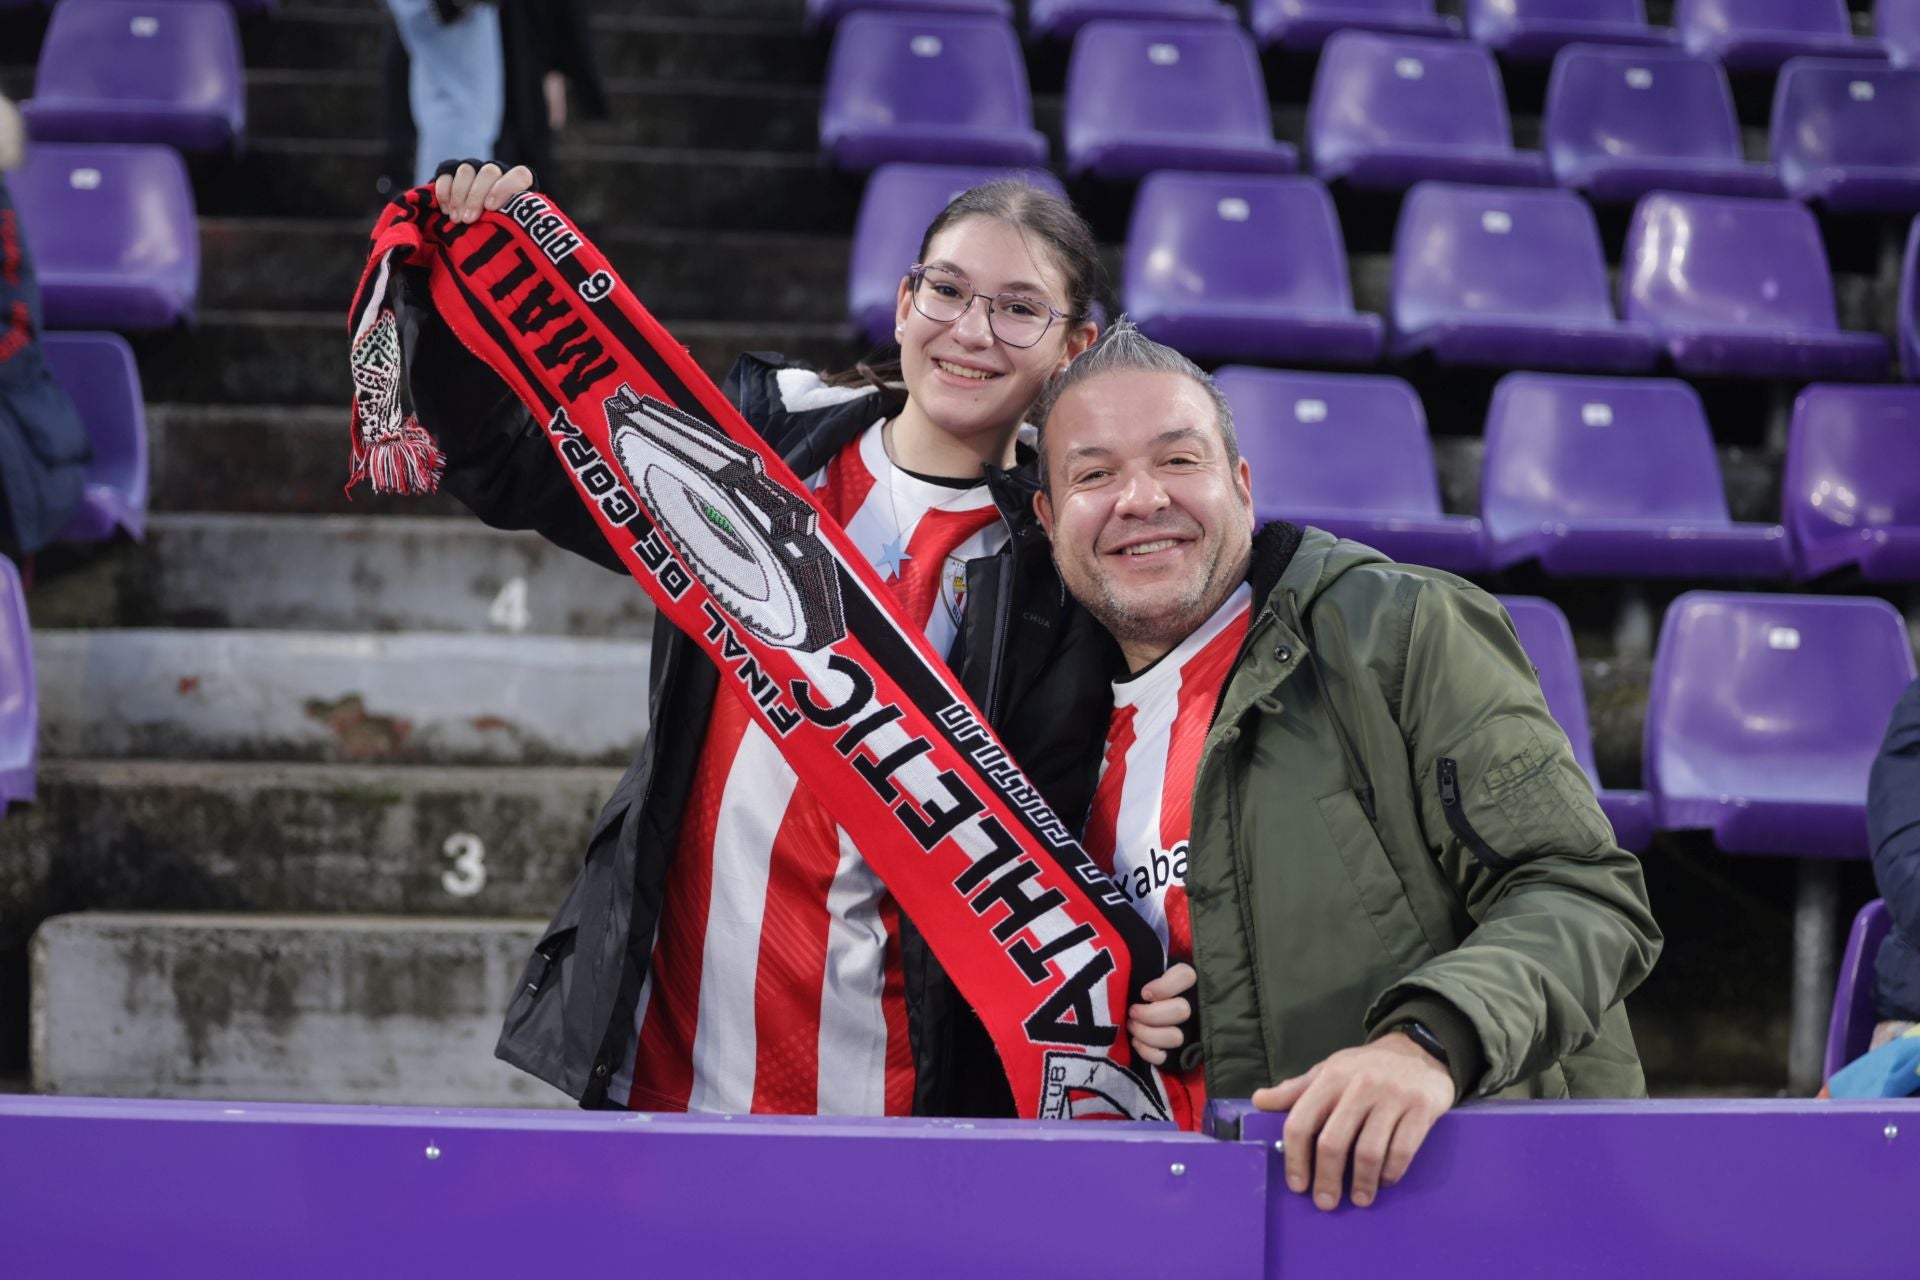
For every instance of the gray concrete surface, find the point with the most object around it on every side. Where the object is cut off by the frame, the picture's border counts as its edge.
(344, 573)
(426, 698)
(279, 1008)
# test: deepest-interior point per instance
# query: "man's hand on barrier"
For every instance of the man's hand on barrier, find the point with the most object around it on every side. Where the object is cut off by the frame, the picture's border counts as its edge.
(467, 192)
(1155, 1026)
(1375, 1103)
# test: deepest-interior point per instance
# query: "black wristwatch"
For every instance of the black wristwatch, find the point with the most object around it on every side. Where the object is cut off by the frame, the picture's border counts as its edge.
(1422, 1035)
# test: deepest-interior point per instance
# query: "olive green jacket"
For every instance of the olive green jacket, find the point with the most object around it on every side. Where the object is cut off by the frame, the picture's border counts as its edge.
(1388, 823)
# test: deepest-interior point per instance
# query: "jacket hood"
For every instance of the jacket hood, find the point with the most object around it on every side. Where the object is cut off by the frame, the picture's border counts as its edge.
(1303, 561)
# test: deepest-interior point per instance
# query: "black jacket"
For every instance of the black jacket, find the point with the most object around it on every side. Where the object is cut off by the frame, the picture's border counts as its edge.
(1893, 828)
(1033, 661)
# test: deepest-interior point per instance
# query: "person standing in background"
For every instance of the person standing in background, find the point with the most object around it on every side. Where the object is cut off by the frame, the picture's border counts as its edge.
(550, 74)
(456, 77)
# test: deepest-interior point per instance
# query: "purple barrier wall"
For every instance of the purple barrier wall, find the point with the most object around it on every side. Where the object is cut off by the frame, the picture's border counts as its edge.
(1755, 1189)
(98, 1187)
(95, 1187)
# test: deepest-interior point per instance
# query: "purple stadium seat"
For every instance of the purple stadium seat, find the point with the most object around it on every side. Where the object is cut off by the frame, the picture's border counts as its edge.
(825, 13)
(1612, 477)
(19, 699)
(130, 71)
(1548, 640)
(1897, 23)
(1348, 453)
(239, 6)
(1851, 490)
(1847, 134)
(98, 373)
(1766, 712)
(1910, 306)
(1060, 19)
(1244, 267)
(1622, 122)
(899, 202)
(1306, 24)
(1535, 30)
(115, 239)
(1389, 111)
(1740, 288)
(941, 88)
(1759, 35)
(1488, 276)
(1850, 1030)
(1167, 95)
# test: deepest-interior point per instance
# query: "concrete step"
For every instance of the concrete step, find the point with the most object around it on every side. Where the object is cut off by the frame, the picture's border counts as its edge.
(398, 1010)
(342, 573)
(191, 835)
(300, 358)
(283, 459)
(279, 695)
(721, 115)
(166, 835)
(652, 46)
(283, 264)
(601, 186)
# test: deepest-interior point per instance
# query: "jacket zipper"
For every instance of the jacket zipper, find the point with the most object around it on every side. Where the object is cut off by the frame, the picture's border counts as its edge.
(1448, 770)
(1246, 647)
(1002, 607)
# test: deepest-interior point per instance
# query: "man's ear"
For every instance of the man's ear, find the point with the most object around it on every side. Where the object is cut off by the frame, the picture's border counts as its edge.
(1243, 482)
(1043, 508)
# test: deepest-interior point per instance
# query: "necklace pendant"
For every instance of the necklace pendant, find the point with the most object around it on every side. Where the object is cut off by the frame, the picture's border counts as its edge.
(892, 555)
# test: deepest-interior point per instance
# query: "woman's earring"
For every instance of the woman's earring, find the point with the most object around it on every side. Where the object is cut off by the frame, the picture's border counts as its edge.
(899, 331)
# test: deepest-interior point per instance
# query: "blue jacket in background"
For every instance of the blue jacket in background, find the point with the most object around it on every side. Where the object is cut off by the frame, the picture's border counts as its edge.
(1893, 827)
(43, 447)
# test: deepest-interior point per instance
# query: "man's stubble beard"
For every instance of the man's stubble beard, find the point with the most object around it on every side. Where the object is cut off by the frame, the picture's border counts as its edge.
(1165, 628)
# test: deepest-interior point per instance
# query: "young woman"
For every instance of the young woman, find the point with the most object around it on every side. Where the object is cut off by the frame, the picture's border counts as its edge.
(725, 947)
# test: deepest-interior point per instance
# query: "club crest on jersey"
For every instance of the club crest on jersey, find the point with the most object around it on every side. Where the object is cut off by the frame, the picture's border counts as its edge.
(953, 588)
(750, 541)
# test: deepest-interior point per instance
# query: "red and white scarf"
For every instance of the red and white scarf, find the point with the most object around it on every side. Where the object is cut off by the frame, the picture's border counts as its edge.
(736, 554)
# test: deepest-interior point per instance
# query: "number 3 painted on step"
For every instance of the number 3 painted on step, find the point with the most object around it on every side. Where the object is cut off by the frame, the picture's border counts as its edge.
(469, 873)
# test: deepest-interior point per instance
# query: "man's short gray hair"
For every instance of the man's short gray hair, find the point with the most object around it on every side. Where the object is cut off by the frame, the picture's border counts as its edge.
(1124, 349)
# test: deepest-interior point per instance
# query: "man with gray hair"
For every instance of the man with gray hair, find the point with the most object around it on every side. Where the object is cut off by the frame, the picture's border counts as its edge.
(1331, 782)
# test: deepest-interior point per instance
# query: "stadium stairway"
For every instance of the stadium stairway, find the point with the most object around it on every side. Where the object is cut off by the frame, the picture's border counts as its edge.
(317, 770)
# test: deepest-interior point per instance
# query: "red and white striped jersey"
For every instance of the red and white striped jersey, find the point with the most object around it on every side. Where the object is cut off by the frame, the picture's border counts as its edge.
(775, 984)
(1142, 815)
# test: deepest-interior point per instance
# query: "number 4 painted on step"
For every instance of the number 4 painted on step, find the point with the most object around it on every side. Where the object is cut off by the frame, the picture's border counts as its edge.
(509, 609)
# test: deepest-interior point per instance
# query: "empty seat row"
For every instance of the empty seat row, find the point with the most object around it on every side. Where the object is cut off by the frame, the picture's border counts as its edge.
(1746, 34)
(1763, 719)
(1254, 268)
(1386, 112)
(136, 71)
(1586, 477)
